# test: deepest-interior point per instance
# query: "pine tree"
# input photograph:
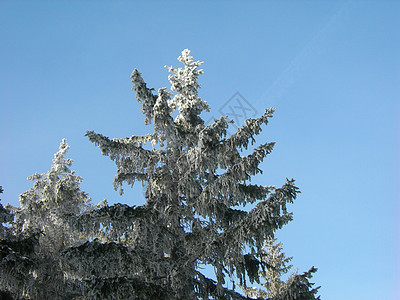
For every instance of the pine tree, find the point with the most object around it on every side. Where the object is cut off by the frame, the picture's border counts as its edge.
(32, 245)
(275, 266)
(196, 181)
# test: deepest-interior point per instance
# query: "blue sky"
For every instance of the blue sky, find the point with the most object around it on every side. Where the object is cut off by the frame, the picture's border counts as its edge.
(330, 68)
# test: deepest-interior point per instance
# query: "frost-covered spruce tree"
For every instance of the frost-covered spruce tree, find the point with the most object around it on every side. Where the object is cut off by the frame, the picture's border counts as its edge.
(38, 233)
(196, 180)
(276, 265)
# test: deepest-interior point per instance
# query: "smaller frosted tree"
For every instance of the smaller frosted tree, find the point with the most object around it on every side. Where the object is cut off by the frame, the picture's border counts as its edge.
(54, 195)
(276, 265)
(30, 257)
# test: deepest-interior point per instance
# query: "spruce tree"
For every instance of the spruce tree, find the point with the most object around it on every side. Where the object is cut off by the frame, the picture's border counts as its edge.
(275, 267)
(31, 246)
(196, 185)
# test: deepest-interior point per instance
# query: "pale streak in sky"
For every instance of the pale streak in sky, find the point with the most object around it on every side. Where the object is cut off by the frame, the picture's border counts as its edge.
(287, 77)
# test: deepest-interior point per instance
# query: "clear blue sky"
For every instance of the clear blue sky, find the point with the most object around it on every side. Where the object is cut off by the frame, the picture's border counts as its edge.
(331, 69)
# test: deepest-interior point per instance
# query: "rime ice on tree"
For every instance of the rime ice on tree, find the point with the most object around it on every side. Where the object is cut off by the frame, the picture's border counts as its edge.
(31, 247)
(190, 216)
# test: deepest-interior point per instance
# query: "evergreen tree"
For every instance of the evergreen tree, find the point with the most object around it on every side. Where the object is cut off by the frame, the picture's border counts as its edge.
(31, 246)
(275, 266)
(196, 179)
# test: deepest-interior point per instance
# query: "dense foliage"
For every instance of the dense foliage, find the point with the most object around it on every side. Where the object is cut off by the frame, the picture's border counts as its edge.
(57, 245)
